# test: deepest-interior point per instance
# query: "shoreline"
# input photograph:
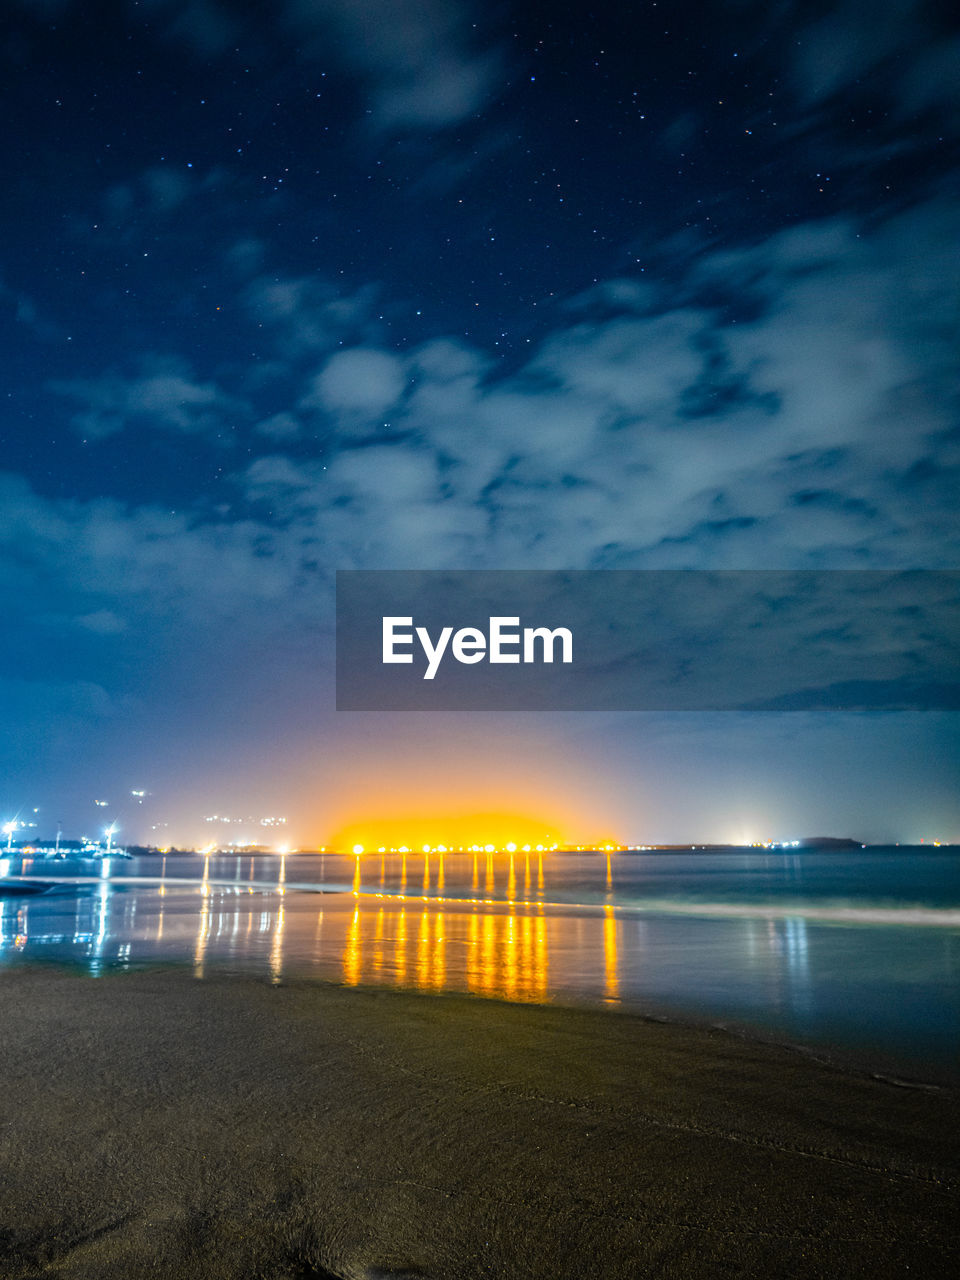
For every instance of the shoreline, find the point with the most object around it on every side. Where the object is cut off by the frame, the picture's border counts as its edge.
(863, 1059)
(151, 1123)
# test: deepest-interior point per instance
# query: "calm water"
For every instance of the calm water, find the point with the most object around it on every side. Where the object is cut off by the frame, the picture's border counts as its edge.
(856, 951)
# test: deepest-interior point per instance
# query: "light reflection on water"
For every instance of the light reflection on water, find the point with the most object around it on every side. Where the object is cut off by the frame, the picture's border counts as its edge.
(766, 944)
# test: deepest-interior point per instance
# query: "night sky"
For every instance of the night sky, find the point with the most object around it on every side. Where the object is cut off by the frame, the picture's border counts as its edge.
(310, 285)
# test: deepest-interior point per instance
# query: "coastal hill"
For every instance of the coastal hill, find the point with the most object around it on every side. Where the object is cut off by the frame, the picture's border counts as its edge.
(830, 842)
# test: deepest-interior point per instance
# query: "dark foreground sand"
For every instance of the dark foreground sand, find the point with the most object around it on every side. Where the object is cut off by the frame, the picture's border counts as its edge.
(154, 1125)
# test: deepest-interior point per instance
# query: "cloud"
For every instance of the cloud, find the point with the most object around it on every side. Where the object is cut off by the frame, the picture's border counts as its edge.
(637, 366)
(309, 315)
(786, 403)
(417, 62)
(902, 53)
(664, 430)
(143, 608)
(104, 622)
(164, 395)
(446, 361)
(387, 505)
(414, 56)
(814, 425)
(934, 78)
(848, 43)
(208, 27)
(45, 716)
(150, 199)
(26, 312)
(281, 426)
(360, 381)
(649, 429)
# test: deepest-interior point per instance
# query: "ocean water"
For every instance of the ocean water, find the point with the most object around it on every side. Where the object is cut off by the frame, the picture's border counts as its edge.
(854, 953)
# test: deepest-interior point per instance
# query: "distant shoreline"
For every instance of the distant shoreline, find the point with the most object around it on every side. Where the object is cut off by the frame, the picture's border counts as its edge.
(826, 844)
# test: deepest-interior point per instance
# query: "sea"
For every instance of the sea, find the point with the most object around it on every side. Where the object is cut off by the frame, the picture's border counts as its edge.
(850, 955)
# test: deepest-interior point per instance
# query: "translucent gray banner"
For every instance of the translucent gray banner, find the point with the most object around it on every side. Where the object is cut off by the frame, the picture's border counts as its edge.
(648, 640)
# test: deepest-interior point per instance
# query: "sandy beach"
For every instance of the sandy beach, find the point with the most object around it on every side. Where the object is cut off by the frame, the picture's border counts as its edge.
(156, 1125)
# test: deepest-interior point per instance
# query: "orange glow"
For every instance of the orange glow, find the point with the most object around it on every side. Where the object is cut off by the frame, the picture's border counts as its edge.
(610, 927)
(276, 950)
(352, 956)
(506, 954)
(453, 829)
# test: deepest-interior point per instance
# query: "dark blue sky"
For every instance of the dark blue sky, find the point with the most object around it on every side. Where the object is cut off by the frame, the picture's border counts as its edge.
(320, 284)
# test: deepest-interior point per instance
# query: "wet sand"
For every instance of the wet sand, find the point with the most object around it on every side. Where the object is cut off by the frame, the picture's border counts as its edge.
(155, 1125)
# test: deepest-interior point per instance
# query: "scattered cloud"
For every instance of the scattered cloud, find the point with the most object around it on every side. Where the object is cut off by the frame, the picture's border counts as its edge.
(416, 57)
(903, 53)
(306, 314)
(361, 381)
(281, 426)
(649, 429)
(822, 431)
(164, 395)
(815, 425)
(417, 63)
(102, 622)
(25, 312)
(151, 198)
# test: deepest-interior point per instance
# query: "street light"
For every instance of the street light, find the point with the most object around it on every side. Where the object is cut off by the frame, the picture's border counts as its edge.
(9, 828)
